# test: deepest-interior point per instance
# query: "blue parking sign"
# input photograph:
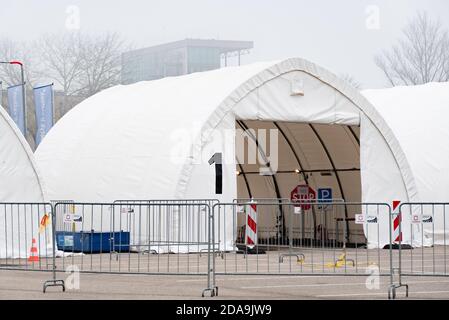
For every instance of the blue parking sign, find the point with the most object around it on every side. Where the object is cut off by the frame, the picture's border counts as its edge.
(324, 194)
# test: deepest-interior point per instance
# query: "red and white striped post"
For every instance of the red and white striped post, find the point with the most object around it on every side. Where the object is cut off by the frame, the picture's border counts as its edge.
(251, 226)
(397, 232)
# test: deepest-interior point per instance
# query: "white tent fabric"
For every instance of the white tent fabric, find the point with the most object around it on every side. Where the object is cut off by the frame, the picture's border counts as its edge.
(19, 182)
(153, 139)
(417, 117)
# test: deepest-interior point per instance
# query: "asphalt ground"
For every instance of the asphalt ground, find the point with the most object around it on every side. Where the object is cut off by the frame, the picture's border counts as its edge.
(273, 275)
(28, 285)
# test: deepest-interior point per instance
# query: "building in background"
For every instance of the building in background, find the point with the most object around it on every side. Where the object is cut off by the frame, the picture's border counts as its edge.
(170, 59)
(179, 58)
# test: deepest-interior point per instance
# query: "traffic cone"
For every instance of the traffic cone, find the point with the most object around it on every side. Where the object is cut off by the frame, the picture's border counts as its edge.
(33, 252)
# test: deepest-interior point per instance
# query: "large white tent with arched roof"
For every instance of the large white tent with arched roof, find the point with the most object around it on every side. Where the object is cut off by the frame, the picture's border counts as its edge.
(153, 140)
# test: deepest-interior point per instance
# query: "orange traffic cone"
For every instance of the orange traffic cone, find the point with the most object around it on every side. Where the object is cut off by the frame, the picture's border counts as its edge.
(33, 252)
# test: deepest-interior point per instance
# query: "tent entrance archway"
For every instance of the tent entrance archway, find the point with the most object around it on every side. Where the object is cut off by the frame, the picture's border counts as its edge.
(290, 154)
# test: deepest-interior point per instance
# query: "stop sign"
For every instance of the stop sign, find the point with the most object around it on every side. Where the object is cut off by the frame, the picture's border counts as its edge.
(303, 193)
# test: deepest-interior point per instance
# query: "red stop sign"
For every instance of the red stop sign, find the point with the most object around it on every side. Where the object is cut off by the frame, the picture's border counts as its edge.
(303, 193)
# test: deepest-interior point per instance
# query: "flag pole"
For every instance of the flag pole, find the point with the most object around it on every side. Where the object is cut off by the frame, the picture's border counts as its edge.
(23, 97)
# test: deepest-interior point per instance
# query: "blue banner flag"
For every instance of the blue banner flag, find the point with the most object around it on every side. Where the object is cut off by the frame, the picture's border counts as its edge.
(43, 100)
(16, 106)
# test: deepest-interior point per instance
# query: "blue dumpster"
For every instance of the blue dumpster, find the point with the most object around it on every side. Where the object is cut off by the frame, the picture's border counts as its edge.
(93, 242)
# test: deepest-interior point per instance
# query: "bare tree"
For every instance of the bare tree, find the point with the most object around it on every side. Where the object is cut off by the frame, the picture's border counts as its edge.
(421, 56)
(10, 74)
(61, 61)
(80, 64)
(100, 67)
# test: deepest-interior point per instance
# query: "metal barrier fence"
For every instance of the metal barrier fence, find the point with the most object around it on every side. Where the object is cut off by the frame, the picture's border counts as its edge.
(422, 242)
(285, 243)
(136, 238)
(208, 202)
(25, 240)
(308, 218)
(207, 238)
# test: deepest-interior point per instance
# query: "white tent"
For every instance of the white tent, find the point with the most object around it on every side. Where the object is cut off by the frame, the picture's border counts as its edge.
(153, 139)
(417, 118)
(19, 182)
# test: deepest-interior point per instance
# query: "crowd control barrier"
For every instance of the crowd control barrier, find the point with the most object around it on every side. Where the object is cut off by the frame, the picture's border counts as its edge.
(204, 237)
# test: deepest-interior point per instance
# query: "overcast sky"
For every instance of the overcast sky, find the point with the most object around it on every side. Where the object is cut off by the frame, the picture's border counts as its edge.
(342, 35)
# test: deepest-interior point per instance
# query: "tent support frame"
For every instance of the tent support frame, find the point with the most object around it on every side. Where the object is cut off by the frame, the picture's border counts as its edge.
(323, 145)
